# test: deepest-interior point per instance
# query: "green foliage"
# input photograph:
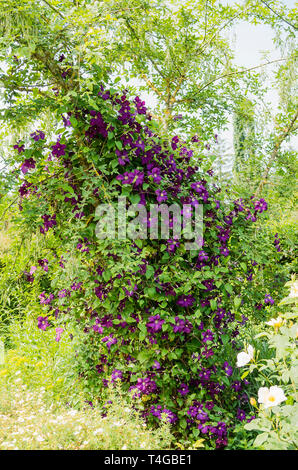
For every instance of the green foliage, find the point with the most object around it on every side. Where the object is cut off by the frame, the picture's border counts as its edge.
(105, 295)
(39, 360)
(277, 365)
(30, 421)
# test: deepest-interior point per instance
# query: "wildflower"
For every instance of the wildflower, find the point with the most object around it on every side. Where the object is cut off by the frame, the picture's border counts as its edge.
(224, 251)
(268, 299)
(63, 293)
(155, 323)
(98, 431)
(260, 206)
(174, 143)
(155, 174)
(172, 245)
(161, 195)
(140, 105)
(28, 164)
(32, 270)
(228, 369)
(19, 148)
(38, 135)
(275, 322)
(202, 256)
(49, 222)
(42, 323)
(207, 336)
(240, 415)
(272, 396)
(59, 332)
(253, 401)
(277, 242)
(183, 389)
(116, 375)
(244, 358)
(181, 326)
(294, 290)
(185, 301)
(156, 365)
(58, 150)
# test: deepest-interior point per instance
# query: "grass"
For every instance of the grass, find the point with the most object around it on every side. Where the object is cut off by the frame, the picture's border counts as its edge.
(30, 422)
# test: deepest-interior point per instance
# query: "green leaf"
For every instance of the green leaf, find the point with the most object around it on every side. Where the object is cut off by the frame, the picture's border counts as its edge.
(237, 302)
(139, 243)
(134, 198)
(183, 423)
(107, 275)
(229, 288)
(67, 188)
(243, 266)
(143, 356)
(151, 292)
(73, 121)
(260, 439)
(149, 272)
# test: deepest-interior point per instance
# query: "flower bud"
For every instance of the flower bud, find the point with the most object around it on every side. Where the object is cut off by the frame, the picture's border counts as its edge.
(253, 401)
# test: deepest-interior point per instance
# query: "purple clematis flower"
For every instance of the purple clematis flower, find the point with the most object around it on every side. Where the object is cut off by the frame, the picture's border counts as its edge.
(185, 301)
(161, 195)
(28, 164)
(59, 332)
(42, 323)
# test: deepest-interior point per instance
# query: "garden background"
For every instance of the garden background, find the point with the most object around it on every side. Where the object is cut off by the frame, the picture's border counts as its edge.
(142, 344)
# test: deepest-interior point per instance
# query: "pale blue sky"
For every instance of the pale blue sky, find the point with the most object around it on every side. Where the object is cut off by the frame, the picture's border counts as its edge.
(250, 42)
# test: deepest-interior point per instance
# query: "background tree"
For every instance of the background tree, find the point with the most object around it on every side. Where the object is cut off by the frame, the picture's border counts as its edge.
(244, 142)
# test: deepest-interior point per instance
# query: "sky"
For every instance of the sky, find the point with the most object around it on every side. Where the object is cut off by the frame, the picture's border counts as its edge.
(249, 44)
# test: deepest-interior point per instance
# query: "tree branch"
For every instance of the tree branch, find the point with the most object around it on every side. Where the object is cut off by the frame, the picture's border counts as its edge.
(53, 8)
(275, 151)
(281, 17)
(239, 72)
(151, 85)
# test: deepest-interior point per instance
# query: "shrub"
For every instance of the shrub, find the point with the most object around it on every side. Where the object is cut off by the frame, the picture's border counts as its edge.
(161, 319)
(39, 360)
(275, 377)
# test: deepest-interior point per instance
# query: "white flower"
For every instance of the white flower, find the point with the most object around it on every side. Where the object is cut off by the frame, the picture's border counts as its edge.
(117, 423)
(98, 431)
(275, 322)
(245, 357)
(271, 397)
(294, 289)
